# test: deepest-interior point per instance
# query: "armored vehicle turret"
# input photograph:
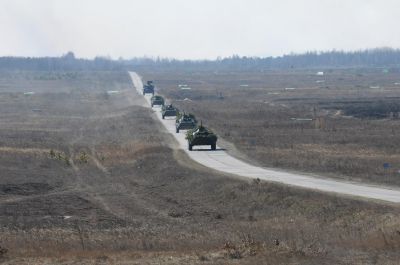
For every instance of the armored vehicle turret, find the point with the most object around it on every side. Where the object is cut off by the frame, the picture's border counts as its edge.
(148, 88)
(157, 100)
(201, 136)
(185, 122)
(169, 111)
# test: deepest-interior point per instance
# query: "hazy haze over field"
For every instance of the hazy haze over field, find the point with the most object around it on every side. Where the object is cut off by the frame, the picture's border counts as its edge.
(194, 29)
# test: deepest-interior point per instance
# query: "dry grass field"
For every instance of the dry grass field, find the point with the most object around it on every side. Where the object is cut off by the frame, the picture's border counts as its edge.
(344, 124)
(88, 177)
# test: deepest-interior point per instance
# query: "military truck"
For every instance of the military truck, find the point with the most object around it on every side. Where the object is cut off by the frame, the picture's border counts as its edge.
(148, 88)
(185, 122)
(157, 100)
(201, 136)
(169, 111)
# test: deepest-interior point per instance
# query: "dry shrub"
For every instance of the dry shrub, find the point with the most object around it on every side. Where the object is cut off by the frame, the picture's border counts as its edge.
(3, 252)
(247, 247)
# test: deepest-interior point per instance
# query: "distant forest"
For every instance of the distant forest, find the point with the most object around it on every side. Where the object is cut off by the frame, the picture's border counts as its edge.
(382, 57)
(67, 62)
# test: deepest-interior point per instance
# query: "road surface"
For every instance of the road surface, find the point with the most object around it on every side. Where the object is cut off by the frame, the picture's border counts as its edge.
(222, 161)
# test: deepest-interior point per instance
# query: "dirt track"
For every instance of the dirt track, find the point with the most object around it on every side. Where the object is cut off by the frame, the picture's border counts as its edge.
(222, 161)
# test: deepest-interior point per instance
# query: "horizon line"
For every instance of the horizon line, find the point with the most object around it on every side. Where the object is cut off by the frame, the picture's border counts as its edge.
(159, 57)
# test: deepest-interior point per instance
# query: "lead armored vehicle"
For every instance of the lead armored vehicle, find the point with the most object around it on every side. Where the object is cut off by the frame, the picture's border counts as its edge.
(201, 136)
(148, 88)
(157, 100)
(185, 122)
(169, 111)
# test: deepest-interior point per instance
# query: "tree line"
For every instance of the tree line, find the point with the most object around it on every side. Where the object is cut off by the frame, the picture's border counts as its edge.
(67, 62)
(382, 57)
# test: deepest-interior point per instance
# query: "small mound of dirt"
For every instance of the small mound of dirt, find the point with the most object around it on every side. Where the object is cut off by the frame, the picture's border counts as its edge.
(24, 188)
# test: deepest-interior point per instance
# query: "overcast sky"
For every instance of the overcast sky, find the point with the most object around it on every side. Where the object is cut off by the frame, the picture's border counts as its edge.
(194, 28)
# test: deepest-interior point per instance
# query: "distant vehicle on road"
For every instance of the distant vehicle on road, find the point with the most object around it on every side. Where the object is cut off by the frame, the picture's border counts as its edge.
(185, 122)
(169, 111)
(157, 100)
(201, 136)
(148, 88)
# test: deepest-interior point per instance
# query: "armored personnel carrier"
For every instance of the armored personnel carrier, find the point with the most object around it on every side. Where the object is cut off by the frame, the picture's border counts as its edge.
(148, 88)
(169, 111)
(185, 122)
(157, 100)
(201, 136)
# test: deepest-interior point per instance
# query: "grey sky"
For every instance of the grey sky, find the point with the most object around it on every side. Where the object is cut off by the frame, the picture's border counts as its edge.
(194, 28)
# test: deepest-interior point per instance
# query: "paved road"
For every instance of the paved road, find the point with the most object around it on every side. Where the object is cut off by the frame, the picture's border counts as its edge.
(222, 161)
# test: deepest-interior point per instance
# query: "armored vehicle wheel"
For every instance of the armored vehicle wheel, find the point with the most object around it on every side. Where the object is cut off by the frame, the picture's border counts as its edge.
(163, 117)
(144, 93)
(190, 147)
(213, 147)
(177, 130)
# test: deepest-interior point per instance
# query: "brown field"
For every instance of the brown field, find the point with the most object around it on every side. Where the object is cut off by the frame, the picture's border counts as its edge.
(92, 178)
(344, 124)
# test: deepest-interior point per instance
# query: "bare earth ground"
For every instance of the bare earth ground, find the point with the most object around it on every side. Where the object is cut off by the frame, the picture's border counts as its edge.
(92, 178)
(331, 125)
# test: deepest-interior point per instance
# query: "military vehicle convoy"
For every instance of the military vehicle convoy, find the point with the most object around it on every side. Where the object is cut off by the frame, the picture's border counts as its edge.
(169, 111)
(201, 136)
(196, 134)
(148, 88)
(157, 100)
(185, 122)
